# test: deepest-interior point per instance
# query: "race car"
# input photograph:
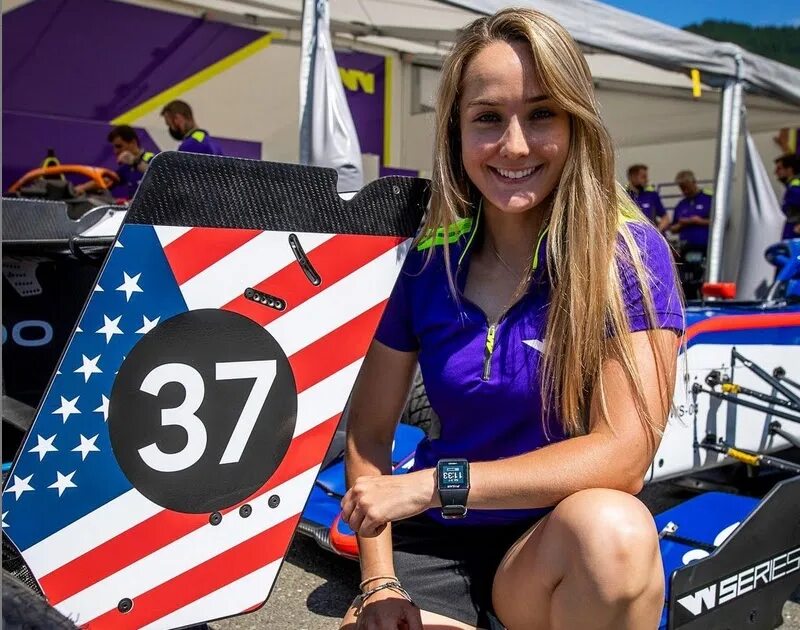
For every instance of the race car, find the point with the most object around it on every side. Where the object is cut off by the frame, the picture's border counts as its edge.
(143, 527)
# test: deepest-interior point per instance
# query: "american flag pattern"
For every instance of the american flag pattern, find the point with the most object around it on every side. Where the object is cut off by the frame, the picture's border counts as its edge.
(88, 536)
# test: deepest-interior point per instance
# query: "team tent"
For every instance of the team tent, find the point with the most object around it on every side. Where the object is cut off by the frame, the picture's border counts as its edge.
(642, 70)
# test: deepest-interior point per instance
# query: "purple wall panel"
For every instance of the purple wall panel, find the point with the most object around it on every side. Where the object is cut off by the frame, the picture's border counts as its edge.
(98, 58)
(366, 109)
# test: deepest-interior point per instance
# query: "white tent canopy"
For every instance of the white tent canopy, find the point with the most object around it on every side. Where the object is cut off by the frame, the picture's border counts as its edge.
(420, 26)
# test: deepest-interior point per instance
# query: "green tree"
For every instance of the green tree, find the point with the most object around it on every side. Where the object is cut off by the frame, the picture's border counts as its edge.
(781, 43)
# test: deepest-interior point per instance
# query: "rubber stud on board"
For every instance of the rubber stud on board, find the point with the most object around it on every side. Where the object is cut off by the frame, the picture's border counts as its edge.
(215, 518)
(274, 501)
(245, 511)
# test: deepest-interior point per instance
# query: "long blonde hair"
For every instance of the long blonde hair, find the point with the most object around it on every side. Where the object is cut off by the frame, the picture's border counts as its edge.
(584, 221)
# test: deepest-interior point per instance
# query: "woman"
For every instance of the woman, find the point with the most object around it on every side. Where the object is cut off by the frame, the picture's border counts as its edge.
(543, 310)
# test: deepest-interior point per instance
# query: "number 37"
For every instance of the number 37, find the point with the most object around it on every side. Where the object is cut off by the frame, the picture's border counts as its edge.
(190, 379)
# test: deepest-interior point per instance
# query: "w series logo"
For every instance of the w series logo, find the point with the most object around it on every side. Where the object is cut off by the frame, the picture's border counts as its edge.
(750, 579)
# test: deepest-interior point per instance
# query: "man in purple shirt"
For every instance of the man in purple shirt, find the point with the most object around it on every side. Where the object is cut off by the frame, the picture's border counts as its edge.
(646, 196)
(180, 120)
(787, 170)
(690, 222)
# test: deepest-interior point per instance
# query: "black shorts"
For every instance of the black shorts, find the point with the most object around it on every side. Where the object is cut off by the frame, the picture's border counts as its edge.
(449, 570)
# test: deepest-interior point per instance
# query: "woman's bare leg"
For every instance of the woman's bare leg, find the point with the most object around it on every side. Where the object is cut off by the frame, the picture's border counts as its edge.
(431, 621)
(594, 562)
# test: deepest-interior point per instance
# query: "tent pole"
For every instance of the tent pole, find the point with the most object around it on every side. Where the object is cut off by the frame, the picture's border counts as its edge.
(729, 128)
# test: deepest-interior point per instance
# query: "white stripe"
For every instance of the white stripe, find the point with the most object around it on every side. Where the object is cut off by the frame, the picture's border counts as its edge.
(189, 551)
(325, 399)
(253, 262)
(232, 599)
(168, 233)
(339, 303)
(89, 531)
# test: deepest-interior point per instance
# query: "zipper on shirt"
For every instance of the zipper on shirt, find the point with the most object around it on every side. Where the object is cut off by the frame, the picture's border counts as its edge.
(488, 350)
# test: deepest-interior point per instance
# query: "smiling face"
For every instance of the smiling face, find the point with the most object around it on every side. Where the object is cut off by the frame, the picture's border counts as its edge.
(514, 138)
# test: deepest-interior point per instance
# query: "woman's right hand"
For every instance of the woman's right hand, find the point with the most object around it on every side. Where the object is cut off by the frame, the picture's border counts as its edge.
(387, 610)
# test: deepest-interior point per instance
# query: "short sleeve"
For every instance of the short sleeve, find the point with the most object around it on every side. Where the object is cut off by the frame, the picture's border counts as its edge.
(396, 328)
(661, 279)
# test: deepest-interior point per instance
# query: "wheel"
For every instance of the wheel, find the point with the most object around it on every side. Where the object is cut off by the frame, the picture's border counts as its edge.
(24, 609)
(418, 411)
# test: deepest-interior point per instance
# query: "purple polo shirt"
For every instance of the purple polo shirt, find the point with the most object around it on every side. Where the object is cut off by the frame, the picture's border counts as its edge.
(200, 141)
(649, 202)
(697, 206)
(499, 416)
(791, 207)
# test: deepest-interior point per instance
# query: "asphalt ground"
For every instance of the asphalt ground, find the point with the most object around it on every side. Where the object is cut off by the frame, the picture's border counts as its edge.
(315, 587)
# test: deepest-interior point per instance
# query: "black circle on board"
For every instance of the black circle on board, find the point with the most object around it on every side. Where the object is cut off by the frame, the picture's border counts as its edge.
(176, 405)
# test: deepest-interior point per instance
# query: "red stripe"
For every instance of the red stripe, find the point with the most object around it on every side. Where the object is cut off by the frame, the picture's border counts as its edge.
(205, 578)
(725, 323)
(200, 248)
(334, 260)
(336, 350)
(305, 451)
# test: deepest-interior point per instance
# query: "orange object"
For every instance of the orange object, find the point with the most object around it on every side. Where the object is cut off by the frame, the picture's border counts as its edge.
(724, 290)
(344, 544)
(103, 177)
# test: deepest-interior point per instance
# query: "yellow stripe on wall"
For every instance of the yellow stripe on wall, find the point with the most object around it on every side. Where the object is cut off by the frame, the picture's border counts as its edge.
(387, 112)
(170, 94)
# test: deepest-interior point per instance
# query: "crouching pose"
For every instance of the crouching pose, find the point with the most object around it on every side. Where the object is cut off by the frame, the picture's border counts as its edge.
(543, 309)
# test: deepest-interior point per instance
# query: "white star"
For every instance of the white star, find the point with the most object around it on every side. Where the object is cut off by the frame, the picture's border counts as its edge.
(98, 288)
(44, 446)
(19, 486)
(86, 446)
(147, 325)
(89, 367)
(63, 482)
(118, 243)
(110, 327)
(67, 408)
(103, 408)
(78, 329)
(130, 285)
(4, 520)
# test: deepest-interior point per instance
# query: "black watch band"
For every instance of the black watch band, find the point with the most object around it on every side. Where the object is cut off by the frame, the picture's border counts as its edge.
(454, 503)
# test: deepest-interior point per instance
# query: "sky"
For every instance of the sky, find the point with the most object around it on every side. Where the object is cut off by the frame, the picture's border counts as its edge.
(683, 12)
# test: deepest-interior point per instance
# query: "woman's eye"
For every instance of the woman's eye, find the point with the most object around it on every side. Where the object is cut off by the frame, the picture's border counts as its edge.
(488, 117)
(541, 114)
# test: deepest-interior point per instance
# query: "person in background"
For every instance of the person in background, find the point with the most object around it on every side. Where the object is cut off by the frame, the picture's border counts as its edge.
(180, 120)
(646, 196)
(690, 222)
(133, 160)
(787, 170)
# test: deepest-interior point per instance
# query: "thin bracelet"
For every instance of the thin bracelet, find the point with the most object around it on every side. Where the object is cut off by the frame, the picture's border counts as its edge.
(377, 577)
(394, 586)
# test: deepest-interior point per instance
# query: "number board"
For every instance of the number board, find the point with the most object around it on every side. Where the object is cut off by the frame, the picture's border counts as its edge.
(177, 443)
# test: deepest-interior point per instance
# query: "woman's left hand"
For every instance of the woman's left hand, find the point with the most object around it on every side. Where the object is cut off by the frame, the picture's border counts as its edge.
(372, 502)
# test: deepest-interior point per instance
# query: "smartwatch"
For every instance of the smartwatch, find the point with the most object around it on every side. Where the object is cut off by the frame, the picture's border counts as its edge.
(452, 482)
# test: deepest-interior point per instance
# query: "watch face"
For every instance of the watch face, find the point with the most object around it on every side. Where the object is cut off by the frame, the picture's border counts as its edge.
(453, 475)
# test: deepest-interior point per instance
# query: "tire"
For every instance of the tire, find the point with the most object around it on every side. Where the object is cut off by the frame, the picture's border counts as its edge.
(24, 609)
(418, 411)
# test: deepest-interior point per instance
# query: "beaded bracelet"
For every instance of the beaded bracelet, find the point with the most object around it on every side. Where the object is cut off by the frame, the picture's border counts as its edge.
(393, 586)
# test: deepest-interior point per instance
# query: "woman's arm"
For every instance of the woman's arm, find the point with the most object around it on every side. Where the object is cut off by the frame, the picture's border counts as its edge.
(616, 456)
(376, 403)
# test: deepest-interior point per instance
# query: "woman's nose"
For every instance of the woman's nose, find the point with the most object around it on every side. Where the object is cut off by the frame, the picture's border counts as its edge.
(514, 142)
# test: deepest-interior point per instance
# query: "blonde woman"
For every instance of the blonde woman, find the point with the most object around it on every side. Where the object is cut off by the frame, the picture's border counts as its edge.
(544, 312)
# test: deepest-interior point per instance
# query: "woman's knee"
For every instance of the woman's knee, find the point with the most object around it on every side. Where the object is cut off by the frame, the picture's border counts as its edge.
(613, 542)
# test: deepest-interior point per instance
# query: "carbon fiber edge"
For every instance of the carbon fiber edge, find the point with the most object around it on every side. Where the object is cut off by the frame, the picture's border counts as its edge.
(190, 190)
